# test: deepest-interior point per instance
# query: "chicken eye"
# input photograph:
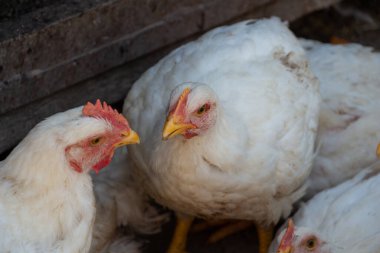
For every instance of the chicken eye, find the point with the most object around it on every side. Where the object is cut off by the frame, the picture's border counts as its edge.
(96, 141)
(204, 108)
(311, 244)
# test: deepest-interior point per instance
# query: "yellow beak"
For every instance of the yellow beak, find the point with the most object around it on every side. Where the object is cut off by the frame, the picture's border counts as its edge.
(130, 137)
(378, 151)
(173, 127)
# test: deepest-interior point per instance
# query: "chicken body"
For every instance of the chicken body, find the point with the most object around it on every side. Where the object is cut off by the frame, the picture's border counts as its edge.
(252, 164)
(348, 127)
(341, 219)
(46, 197)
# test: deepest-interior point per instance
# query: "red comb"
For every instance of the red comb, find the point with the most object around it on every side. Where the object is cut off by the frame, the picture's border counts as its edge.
(105, 112)
(181, 103)
(286, 241)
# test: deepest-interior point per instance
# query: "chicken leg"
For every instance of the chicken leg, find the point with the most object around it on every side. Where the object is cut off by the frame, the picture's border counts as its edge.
(178, 243)
(229, 229)
(265, 235)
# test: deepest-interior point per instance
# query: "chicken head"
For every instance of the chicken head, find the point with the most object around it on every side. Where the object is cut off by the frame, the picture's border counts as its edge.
(300, 240)
(192, 111)
(95, 152)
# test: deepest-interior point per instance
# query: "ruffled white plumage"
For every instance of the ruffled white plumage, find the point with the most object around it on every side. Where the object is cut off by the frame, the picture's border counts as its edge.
(346, 217)
(348, 127)
(121, 202)
(252, 164)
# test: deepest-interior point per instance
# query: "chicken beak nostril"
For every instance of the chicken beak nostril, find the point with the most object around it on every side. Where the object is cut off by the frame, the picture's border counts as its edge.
(128, 137)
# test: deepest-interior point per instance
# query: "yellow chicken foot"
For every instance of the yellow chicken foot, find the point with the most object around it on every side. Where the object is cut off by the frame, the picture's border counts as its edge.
(230, 229)
(178, 243)
(265, 235)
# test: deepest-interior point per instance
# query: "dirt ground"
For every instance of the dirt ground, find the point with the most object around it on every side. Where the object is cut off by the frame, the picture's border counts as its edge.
(353, 21)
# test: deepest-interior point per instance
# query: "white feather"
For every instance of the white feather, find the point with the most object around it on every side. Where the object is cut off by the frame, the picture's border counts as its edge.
(348, 126)
(46, 206)
(121, 201)
(346, 217)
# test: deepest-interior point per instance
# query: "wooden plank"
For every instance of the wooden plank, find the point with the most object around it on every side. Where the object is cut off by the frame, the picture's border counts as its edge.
(53, 58)
(19, 17)
(111, 87)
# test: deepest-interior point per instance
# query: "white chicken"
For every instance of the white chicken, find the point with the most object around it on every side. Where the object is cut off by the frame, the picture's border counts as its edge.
(121, 201)
(46, 196)
(344, 219)
(348, 126)
(242, 111)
